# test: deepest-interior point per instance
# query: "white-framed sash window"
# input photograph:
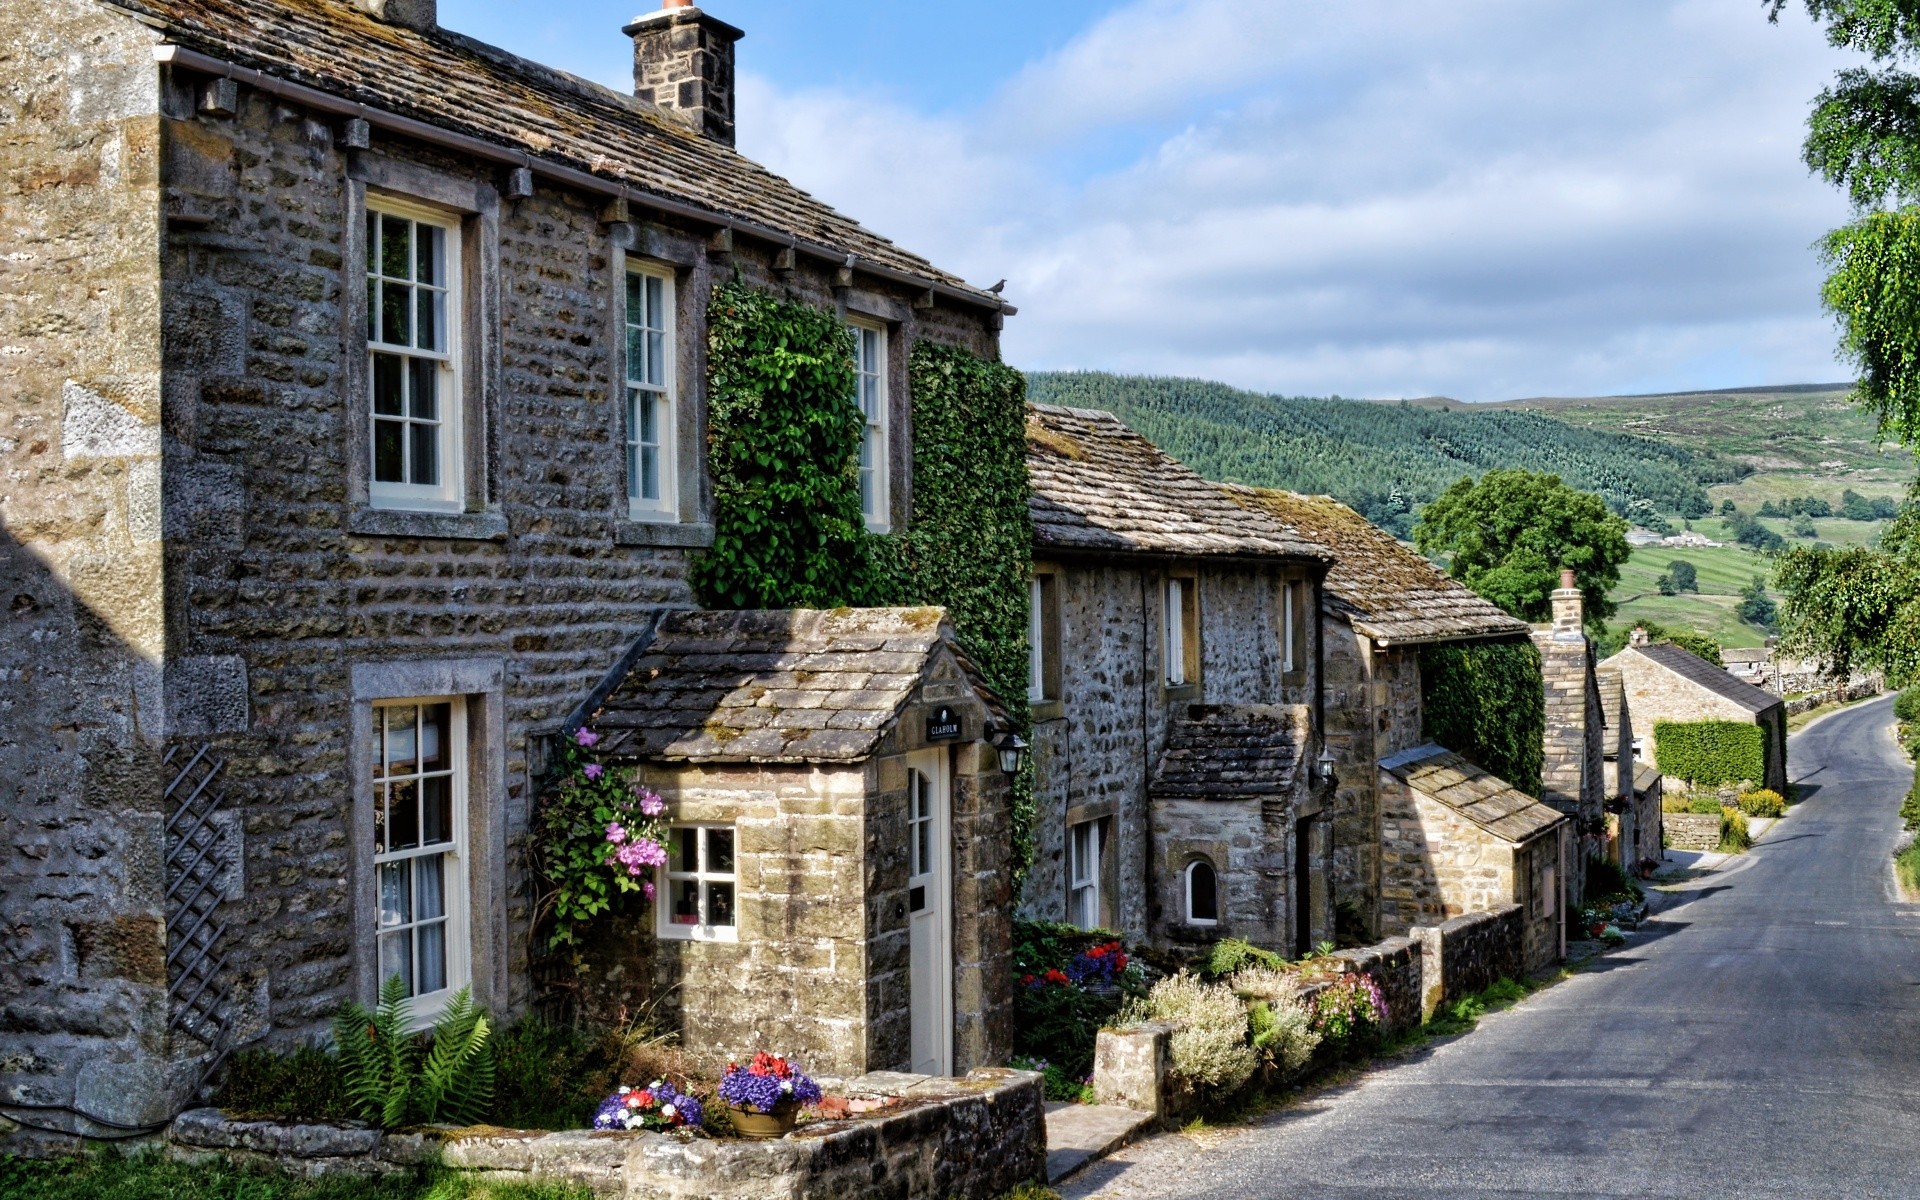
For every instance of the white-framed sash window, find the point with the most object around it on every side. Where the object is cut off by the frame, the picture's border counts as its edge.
(1203, 893)
(1286, 626)
(870, 362)
(413, 339)
(1084, 853)
(652, 489)
(1181, 635)
(698, 901)
(420, 848)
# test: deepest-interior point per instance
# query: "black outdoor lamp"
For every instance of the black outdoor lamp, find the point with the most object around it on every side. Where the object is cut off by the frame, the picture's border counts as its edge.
(1326, 762)
(1012, 749)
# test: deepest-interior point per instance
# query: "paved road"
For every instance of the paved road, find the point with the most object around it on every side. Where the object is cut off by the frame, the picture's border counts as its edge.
(1759, 1040)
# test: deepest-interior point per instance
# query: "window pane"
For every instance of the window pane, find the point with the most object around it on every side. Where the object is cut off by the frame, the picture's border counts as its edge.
(923, 847)
(396, 898)
(1205, 903)
(379, 820)
(656, 359)
(656, 303)
(435, 724)
(373, 311)
(400, 728)
(403, 813)
(720, 904)
(425, 457)
(686, 902)
(389, 384)
(429, 879)
(685, 851)
(396, 247)
(388, 438)
(426, 322)
(396, 958)
(373, 243)
(636, 354)
(433, 958)
(633, 447)
(636, 301)
(394, 325)
(720, 851)
(427, 254)
(424, 397)
(436, 815)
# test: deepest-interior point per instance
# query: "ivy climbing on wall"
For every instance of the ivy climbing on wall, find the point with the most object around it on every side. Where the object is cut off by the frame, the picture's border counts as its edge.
(1488, 703)
(783, 454)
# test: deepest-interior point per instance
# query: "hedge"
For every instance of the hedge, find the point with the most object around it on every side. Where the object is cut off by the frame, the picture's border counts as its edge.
(1710, 753)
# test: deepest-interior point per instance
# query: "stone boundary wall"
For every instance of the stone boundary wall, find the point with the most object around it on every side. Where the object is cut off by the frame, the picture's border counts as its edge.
(1872, 685)
(1467, 954)
(1693, 831)
(975, 1138)
(1396, 965)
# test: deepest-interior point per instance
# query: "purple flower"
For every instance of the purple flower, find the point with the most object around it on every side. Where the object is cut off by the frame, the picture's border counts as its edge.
(586, 737)
(647, 890)
(616, 833)
(595, 770)
(651, 805)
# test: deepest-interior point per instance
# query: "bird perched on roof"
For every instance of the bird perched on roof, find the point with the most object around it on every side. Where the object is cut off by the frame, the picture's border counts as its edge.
(997, 288)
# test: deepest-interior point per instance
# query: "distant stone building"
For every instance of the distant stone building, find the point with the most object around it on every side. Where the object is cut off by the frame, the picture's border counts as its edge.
(1383, 604)
(354, 437)
(1174, 685)
(1573, 773)
(1635, 839)
(1665, 683)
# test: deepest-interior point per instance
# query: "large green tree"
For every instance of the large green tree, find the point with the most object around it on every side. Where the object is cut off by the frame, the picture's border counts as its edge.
(1508, 534)
(1861, 606)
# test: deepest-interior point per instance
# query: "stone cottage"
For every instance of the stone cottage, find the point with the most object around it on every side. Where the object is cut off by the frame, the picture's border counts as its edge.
(1666, 683)
(838, 878)
(1636, 825)
(1175, 689)
(1383, 604)
(1460, 840)
(354, 440)
(1573, 775)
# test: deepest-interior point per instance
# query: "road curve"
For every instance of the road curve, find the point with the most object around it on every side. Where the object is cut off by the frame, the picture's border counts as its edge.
(1761, 1039)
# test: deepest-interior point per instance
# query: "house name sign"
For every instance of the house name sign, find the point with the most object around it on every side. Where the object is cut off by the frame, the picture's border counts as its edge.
(943, 725)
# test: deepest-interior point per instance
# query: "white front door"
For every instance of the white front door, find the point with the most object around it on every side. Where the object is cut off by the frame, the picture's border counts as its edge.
(929, 911)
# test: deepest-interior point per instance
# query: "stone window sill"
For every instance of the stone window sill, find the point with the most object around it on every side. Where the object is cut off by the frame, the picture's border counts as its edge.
(1182, 693)
(695, 536)
(465, 526)
(1042, 711)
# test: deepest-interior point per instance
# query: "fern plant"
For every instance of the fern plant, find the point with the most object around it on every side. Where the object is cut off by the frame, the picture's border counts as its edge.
(386, 1077)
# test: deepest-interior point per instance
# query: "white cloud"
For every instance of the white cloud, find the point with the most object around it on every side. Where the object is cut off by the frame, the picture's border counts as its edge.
(1394, 197)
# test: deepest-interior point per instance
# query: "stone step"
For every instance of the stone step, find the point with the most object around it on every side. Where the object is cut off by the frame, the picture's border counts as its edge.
(1077, 1134)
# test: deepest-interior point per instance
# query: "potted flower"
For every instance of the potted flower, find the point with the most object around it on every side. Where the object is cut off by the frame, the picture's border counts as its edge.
(659, 1105)
(764, 1097)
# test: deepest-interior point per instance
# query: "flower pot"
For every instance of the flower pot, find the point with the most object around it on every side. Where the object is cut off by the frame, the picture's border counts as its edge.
(760, 1126)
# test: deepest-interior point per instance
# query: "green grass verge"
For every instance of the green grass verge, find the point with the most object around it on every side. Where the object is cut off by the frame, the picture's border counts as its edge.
(150, 1177)
(1906, 865)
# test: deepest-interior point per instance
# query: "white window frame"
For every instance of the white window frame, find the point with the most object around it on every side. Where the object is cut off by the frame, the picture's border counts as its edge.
(449, 494)
(1179, 601)
(870, 397)
(663, 394)
(1286, 626)
(456, 902)
(1036, 640)
(666, 877)
(1086, 848)
(1187, 878)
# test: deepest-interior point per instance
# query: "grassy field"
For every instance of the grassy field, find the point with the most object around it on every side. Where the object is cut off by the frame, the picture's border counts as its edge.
(1723, 572)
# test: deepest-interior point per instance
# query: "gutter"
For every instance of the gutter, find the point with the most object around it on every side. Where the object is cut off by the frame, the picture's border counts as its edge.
(174, 55)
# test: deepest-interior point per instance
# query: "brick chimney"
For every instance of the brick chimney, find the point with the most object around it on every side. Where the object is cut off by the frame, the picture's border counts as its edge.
(683, 62)
(421, 15)
(1638, 637)
(1569, 608)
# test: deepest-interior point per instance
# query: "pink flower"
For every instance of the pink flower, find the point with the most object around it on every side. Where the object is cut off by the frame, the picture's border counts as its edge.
(586, 737)
(595, 770)
(642, 852)
(652, 805)
(616, 833)
(646, 889)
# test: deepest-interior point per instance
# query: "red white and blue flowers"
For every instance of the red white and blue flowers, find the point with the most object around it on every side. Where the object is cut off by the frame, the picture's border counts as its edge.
(765, 1082)
(659, 1105)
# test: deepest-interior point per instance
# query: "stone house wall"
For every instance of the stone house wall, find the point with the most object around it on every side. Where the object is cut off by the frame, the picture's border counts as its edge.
(239, 549)
(1096, 748)
(1540, 907)
(1372, 711)
(84, 653)
(1658, 694)
(1469, 953)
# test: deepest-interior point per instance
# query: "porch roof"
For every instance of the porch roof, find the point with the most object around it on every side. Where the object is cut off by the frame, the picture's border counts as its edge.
(1488, 801)
(1231, 752)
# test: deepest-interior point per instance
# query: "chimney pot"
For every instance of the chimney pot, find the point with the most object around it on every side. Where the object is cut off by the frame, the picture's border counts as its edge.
(1566, 578)
(683, 61)
(1569, 609)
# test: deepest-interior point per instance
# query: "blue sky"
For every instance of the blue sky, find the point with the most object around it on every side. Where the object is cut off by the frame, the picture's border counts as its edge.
(1484, 199)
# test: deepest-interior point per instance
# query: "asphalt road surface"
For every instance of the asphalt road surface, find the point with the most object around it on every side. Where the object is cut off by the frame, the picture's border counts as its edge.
(1760, 1039)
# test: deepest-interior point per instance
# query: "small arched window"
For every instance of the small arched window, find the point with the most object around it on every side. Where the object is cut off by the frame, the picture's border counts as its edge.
(1203, 893)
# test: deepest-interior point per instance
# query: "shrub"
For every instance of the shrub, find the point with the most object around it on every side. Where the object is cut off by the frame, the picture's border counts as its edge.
(1283, 1033)
(1704, 803)
(1710, 753)
(1211, 1053)
(1062, 999)
(1605, 878)
(306, 1085)
(392, 1085)
(545, 1077)
(1350, 1014)
(1910, 807)
(1906, 706)
(1763, 803)
(1486, 702)
(1906, 865)
(1734, 836)
(1230, 956)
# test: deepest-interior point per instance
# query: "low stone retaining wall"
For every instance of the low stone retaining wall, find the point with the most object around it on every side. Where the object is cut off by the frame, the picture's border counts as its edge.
(977, 1138)
(1693, 831)
(1397, 965)
(1873, 685)
(1467, 954)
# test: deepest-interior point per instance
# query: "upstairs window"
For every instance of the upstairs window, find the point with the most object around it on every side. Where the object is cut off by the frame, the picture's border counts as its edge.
(412, 343)
(1043, 638)
(651, 487)
(1181, 635)
(1288, 658)
(870, 361)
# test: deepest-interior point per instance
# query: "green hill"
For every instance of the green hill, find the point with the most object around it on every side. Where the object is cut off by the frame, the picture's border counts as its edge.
(1386, 459)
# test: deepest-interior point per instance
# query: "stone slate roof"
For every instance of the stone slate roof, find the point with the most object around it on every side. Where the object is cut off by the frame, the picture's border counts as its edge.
(776, 686)
(1099, 486)
(1386, 591)
(1645, 777)
(1696, 670)
(1487, 800)
(1613, 701)
(1231, 752)
(456, 83)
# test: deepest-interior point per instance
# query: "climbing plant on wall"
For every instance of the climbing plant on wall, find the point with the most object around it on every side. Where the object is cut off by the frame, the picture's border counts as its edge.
(1489, 704)
(783, 452)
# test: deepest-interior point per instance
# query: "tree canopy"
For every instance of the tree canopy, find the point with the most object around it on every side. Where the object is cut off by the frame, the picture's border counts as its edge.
(1508, 535)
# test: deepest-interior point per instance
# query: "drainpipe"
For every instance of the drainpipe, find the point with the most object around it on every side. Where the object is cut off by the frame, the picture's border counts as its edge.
(1151, 893)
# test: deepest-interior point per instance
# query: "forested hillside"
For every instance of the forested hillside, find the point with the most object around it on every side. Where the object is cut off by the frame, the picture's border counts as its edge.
(1387, 460)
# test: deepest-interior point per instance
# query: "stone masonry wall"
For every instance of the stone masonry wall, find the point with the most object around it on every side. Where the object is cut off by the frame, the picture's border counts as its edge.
(1395, 966)
(1435, 864)
(83, 646)
(1097, 749)
(1251, 848)
(1573, 775)
(1373, 710)
(1467, 954)
(1657, 694)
